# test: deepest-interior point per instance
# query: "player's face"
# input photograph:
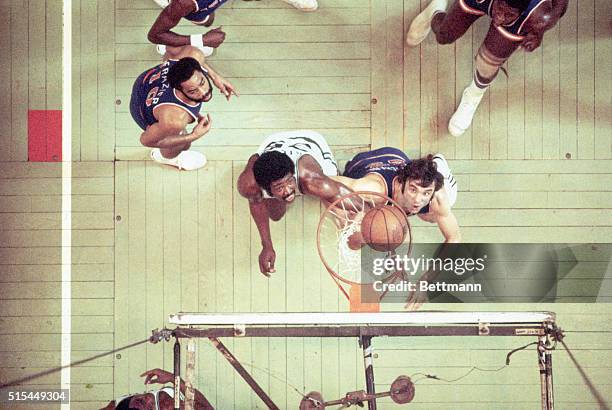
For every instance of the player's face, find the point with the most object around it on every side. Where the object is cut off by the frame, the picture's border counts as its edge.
(198, 88)
(415, 196)
(502, 13)
(284, 188)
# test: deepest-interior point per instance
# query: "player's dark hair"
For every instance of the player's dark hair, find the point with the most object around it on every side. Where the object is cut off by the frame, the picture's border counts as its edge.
(423, 170)
(124, 404)
(271, 166)
(182, 71)
(518, 4)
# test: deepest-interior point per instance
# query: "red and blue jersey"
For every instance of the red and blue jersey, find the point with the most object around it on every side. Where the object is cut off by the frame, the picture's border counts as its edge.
(152, 90)
(204, 8)
(514, 31)
(386, 162)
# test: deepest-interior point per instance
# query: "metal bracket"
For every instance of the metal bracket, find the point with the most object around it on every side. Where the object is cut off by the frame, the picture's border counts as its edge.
(239, 330)
(161, 335)
(484, 329)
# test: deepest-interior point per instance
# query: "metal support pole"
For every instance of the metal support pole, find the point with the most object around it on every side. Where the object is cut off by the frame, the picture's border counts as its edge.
(546, 378)
(366, 345)
(243, 373)
(177, 375)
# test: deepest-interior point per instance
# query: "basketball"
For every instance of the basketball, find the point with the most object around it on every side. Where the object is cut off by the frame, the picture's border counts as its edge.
(384, 228)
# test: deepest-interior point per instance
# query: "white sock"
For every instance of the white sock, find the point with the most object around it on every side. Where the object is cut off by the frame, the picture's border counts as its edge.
(476, 91)
(432, 9)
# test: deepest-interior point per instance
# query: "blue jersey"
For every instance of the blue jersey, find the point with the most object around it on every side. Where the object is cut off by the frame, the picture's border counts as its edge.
(516, 29)
(385, 162)
(204, 8)
(151, 90)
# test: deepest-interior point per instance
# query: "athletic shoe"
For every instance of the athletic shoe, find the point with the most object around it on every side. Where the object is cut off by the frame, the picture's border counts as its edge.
(162, 3)
(421, 25)
(304, 5)
(208, 51)
(187, 160)
(462, 118)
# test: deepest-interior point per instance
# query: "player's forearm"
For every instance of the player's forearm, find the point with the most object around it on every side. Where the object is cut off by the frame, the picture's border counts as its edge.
(260, 215)
(168, 38)
(175, 140)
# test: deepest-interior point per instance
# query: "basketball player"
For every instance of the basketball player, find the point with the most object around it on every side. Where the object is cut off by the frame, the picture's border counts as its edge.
(424, 187)
(200, 12)
(287, 164)
(169, 96)
(162, 399)
(514, 24)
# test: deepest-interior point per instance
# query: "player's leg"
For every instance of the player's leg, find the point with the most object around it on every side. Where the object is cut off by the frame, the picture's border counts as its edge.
(492, 54)
(447, 26)
(276, 208)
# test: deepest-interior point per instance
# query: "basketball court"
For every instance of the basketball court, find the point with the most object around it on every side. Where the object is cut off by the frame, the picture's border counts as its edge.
(147, 241)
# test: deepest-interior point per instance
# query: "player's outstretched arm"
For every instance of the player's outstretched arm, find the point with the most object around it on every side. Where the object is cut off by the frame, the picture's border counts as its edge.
(447, 222)
(161, 31)
(248, 188)
(166, 133)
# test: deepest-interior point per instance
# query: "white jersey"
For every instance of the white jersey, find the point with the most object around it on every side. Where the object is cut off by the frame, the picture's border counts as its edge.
(296, 144)
(168, 390)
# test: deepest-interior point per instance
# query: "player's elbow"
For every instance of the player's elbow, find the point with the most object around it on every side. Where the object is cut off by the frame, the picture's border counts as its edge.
(153, 36)
(147, 141)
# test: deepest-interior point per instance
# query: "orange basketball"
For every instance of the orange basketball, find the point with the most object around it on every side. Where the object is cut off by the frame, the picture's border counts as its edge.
(384, 228)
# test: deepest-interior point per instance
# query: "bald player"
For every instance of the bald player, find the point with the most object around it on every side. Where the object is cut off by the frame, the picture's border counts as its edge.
(514, 24)
(424, 187)
(168, 97)
(286, 165)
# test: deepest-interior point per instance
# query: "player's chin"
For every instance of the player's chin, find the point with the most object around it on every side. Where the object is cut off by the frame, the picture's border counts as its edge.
(289, 198)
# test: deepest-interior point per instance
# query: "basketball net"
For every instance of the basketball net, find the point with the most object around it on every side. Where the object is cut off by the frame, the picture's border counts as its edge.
(341, 253)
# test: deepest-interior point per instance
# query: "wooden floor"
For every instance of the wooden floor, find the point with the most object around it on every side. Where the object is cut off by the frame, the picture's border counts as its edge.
(535, 167)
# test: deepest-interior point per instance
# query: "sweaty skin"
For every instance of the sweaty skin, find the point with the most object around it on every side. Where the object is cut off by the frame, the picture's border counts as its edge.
(312, 181)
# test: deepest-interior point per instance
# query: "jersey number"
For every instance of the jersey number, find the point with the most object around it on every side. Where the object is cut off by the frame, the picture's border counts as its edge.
(151, 96)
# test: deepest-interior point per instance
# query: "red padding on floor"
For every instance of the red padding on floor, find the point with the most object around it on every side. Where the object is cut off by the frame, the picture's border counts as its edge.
(44, 135)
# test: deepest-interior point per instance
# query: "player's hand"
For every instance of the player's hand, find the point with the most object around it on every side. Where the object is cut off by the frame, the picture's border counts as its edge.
(415, 300)
(224, 86)
(267, 257)
(203, 126)
(157, 376)
(214, 37)
(532, 41)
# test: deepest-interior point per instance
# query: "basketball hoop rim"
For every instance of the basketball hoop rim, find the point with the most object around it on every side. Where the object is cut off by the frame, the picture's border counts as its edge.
(329, 269)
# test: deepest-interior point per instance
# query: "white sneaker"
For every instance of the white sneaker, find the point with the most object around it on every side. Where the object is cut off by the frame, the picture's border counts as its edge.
(208, 51)
(304, 5)
(462, 118)
(187, 160)
(162, 3)
(421, 25)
